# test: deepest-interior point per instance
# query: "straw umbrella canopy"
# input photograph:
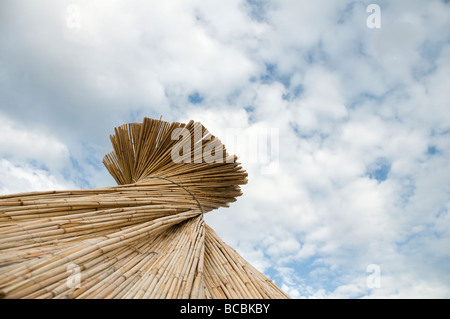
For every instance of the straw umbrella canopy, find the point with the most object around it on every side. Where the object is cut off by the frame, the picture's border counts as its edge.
(145, 237)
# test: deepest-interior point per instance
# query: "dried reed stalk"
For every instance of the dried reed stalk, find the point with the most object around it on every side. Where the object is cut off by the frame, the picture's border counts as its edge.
(145, 238)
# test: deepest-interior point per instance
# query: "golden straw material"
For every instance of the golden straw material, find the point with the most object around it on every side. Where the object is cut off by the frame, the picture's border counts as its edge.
(145, 238)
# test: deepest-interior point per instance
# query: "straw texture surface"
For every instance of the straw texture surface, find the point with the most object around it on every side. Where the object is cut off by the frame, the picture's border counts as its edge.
(144, 238)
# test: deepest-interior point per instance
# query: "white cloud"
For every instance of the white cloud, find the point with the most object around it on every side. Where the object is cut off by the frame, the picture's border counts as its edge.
(26, 178)
(27, 144)
(31, 160)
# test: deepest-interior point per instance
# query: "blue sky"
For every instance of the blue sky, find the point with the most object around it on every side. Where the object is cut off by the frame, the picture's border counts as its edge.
(361, 117)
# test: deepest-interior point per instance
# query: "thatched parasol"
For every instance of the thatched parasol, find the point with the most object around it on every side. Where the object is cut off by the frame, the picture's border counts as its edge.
(145, 238)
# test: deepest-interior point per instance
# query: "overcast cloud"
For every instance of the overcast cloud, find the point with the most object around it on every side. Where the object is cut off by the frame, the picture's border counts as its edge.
(361, 117)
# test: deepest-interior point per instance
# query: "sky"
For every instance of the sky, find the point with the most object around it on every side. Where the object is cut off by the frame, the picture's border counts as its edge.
(349, 190)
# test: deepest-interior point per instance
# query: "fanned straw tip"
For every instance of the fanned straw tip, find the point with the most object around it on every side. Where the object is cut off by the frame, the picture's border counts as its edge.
(145, 238)
(175, 151)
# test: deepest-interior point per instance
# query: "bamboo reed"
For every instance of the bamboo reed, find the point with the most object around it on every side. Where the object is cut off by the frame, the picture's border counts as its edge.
(144, 238)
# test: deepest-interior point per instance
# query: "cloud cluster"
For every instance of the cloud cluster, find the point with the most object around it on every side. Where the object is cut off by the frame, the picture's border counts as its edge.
(361, 118)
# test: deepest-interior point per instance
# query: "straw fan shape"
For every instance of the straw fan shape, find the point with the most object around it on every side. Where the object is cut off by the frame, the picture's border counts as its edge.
(145, 238)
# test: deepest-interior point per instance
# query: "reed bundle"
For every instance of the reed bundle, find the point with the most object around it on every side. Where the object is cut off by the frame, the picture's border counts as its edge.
(144, 238)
